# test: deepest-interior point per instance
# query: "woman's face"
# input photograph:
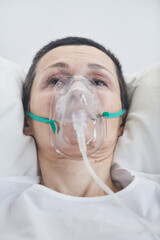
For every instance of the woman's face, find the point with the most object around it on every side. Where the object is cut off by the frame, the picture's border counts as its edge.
(70, 60)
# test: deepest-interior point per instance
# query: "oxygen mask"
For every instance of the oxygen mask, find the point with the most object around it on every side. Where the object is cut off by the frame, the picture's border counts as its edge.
(75, 104)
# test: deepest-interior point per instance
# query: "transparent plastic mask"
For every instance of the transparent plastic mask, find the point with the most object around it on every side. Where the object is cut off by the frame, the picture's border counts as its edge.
(74, 98)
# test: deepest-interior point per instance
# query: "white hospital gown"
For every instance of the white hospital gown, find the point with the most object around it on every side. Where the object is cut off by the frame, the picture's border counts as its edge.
(29, 210)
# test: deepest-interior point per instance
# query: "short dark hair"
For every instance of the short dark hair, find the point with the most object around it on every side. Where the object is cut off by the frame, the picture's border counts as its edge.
(72, 41)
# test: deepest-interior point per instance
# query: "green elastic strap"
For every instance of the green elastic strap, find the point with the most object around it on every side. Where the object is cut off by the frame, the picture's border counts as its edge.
(51, 122)
(41, 119)
(113, 115)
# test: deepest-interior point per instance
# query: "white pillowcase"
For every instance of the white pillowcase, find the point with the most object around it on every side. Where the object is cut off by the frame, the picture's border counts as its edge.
(17, 151)
(138, 149)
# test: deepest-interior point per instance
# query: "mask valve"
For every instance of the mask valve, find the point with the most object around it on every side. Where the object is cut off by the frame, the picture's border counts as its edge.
(79, 119)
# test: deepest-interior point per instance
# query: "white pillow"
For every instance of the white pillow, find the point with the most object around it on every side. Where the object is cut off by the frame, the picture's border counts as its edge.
(138, 149)
(17, 151)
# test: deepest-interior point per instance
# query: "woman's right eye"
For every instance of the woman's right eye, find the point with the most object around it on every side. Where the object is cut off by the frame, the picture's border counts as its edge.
(53, 81)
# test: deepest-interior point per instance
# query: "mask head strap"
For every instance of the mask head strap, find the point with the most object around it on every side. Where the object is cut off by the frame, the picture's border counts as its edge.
(51, 122)
(41, 119)
(113, 115)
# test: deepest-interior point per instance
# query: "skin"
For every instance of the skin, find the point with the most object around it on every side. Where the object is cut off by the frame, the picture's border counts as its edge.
(65, 175)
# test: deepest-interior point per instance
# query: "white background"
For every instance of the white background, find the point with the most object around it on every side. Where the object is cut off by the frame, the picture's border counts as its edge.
(129, 28)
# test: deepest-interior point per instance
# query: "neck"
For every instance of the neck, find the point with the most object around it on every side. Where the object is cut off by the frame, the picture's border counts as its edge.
(71, 177)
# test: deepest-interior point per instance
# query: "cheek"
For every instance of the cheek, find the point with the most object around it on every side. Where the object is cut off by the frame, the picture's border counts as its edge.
(40, 104)
(112, 132)
(41, 133)
(110, 101)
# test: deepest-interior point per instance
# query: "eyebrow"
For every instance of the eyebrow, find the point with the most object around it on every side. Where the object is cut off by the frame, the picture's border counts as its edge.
(57, 65)
(96, 66)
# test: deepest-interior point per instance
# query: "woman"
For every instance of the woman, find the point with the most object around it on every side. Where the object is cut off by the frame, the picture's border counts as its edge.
(37, 97)
(68, 203)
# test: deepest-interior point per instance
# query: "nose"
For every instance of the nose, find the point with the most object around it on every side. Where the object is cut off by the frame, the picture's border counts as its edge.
(78, 96)
(76, 93)
(78, 86)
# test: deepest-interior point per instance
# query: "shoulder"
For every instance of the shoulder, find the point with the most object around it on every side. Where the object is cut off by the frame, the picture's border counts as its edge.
(123, 177)
(147, 178)
(12, 186)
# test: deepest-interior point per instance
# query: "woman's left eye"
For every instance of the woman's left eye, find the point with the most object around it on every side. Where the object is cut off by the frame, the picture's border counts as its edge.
(99, 82)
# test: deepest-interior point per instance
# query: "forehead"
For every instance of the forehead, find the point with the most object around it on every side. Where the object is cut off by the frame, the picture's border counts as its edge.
(77, 57)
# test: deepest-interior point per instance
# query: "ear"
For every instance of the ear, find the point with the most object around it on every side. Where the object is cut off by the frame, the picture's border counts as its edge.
(122, 124)
(27, 130)
(120, 130)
